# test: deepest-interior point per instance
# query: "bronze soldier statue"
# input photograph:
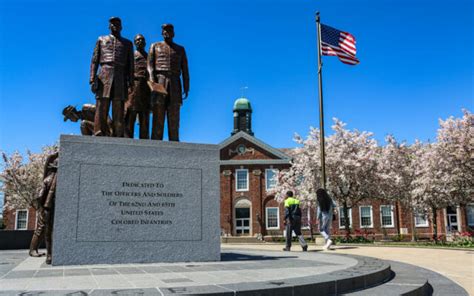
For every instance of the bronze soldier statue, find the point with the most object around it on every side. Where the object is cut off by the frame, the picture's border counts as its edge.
(86, 116)
(138, 102)
(114, 55)
(166, 63)
(45, 200)
(38, 234)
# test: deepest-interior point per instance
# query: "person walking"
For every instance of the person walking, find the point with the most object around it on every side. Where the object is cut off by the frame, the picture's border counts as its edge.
(293, 221)
(326, 206)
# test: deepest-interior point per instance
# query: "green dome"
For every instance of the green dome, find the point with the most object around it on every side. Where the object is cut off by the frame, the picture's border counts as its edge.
(242, 104)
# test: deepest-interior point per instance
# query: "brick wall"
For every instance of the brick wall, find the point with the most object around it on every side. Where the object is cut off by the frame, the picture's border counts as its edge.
(9, 218)
(257, 195)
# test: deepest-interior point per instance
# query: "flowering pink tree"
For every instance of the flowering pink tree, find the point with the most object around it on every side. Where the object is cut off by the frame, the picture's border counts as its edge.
(300, 178)
(428, 187)
(351, 168)
(22, 179)
(445, 169)
(455, 149)
(396, 174)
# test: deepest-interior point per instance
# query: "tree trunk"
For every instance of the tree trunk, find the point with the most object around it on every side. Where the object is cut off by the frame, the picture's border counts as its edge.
(413, 228)
(435, 224)
(466, 218)
(347, 226)
(311, 222)
(397, 214)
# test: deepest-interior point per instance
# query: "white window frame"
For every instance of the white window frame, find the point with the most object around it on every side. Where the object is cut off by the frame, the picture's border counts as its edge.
(468, 206)
(266, 178)
(391, 214)
(16, 219)
(278, 218)
(426, 224)
(340, 212)
(237, 180)
(371, 217)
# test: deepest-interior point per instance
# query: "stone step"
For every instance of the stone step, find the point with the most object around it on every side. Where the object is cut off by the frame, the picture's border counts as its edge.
(366, 273)
(411, 280)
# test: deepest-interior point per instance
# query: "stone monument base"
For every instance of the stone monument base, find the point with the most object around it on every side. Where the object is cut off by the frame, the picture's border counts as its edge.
(135, 201)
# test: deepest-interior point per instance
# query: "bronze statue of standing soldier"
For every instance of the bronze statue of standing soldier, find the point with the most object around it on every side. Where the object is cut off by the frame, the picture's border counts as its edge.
(45, 209)
(138, 103)
(114, 55)
(167, 62)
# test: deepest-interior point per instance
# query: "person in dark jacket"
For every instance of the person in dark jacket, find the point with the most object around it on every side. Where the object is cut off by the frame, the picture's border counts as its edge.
(293, 221)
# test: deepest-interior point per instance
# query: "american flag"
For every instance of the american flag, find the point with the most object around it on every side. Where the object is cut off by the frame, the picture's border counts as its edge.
(338, 43)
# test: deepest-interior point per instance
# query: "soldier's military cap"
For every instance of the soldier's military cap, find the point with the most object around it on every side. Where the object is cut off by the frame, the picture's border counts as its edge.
(164, 26)
(115, 19)
(69, 110)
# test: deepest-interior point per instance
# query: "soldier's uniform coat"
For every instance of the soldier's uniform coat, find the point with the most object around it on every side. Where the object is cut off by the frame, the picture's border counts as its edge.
(115, 57)
(167, 63)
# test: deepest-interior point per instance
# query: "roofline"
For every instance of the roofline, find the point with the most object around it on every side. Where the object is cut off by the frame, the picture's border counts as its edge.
(254, 161)
(242, 134)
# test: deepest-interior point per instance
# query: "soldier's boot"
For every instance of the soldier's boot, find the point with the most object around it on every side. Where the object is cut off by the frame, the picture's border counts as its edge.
(34, 247)
(49, 239)
(48, 255)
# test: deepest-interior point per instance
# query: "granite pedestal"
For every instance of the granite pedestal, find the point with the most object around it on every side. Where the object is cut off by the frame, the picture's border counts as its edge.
(135, 201)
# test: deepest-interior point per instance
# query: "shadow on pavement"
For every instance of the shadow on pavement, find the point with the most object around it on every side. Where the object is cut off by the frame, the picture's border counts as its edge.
(246, 257)
(343, 248)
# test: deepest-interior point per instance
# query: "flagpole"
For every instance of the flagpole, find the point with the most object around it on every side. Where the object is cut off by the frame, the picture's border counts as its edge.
(321, 112)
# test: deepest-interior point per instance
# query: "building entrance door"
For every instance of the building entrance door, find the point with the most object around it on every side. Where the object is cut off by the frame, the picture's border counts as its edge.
(453, 222)
(452, 219)
(242, 221)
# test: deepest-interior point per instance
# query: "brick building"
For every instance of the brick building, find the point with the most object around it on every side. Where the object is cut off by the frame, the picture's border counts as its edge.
(247, 168)
(19, 219)
(247, 209)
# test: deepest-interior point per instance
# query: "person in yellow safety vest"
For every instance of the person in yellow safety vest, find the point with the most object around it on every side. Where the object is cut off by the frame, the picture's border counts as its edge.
(293, 221)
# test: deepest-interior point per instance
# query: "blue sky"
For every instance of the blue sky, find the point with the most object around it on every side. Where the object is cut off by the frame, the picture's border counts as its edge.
(416, 64)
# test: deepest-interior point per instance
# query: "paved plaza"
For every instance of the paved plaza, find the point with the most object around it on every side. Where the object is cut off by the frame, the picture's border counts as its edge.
(30, 273)
(457, 265)
(241, 271)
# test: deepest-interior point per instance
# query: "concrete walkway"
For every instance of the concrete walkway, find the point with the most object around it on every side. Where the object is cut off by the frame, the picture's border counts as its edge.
(454, 264)
(238, 272)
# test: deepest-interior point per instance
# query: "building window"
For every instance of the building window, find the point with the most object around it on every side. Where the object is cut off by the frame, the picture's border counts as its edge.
(21, 222)
(342, 218)
(242, 180)
(365, 213)
(470, 214)
(271, 180)
(272, 218)
(386, 216)
(421, 220)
